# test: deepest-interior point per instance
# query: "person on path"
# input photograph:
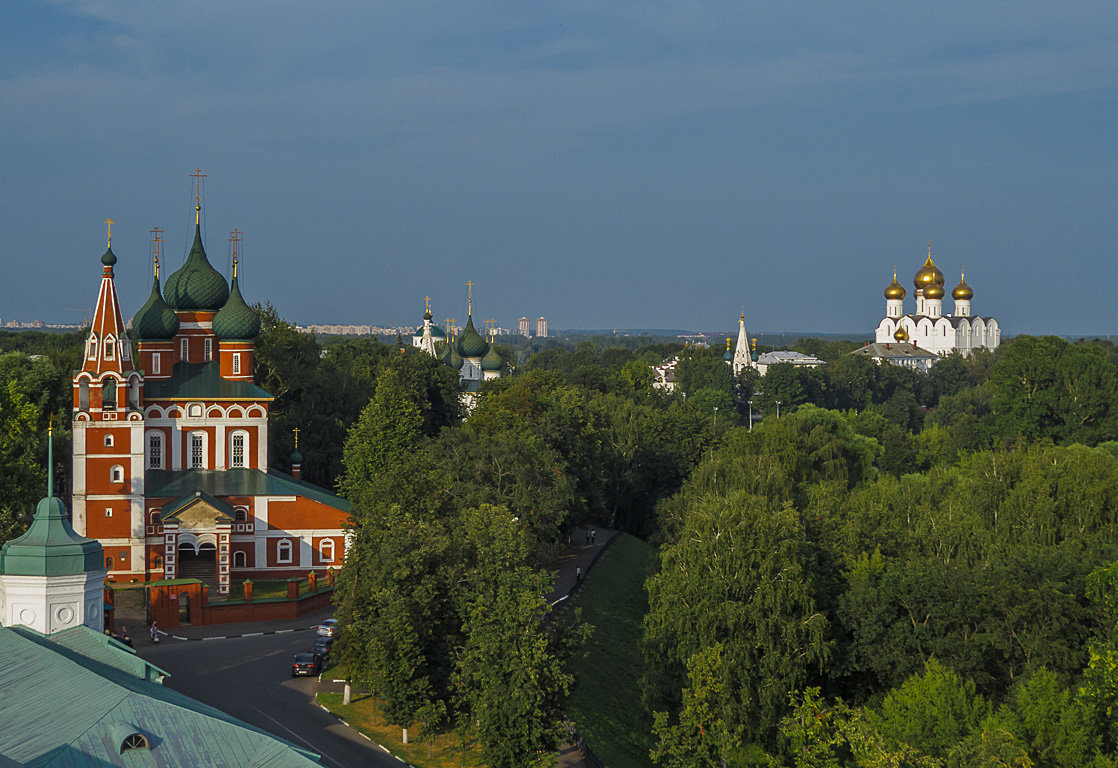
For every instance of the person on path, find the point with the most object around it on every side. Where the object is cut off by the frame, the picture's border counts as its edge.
(154, 633)
(124, 637)
(587, 537)
(594, 536)
(578, 573)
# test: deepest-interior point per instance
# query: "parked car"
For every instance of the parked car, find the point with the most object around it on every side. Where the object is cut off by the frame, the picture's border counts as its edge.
(321, 648)
(327, 628)
(306, 664)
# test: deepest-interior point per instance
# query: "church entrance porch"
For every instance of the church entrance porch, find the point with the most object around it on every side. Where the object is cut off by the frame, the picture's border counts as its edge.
(198, 562)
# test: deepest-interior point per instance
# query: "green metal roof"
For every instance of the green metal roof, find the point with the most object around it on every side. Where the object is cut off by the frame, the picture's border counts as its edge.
(50, 547)
(155, 320)
(236, 320)
(61, 708)
(235, 482)
(196, 284)
(202, 381)
(470, 343)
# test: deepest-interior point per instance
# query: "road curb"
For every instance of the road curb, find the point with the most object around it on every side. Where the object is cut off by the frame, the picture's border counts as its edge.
(363, 735)
(232, 637)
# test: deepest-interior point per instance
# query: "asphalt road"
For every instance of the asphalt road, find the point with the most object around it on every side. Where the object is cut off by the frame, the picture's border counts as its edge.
(250, 678)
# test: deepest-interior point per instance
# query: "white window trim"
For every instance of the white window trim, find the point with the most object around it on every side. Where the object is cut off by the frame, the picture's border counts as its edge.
(108, 441)
(184, 349)
(190, 450)
(116, 474)
(240, 553)
(244, 449)
(236, 363)
(207, 350)
(147, 449)
(283, 548)
(328, 546)
(155, 363)
(108, 511)
(110, 349)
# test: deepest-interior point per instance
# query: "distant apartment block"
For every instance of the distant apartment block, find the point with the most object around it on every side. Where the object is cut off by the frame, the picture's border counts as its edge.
(541, 327)
(523, 327)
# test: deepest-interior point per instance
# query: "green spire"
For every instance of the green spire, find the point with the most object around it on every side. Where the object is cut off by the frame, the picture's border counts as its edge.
(50, 547)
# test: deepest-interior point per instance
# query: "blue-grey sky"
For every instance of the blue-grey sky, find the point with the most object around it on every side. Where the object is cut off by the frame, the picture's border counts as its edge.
(625, 164)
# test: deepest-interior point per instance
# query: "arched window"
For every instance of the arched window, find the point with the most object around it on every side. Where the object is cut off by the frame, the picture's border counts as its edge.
(197, 450)
(327, 550)
(207, 350)
(237, 445)
(155, 363)
(83, 395)
(110, 347)
(184, 349)
(134, 741)
(108, 395)
(91, 353)
(155, 517)
(157, 561)
(108, 562)
(155, 450)
(239, 559)
(194, 410)
(240, 514)
(108, 441)
(283, 551)
(116, 474)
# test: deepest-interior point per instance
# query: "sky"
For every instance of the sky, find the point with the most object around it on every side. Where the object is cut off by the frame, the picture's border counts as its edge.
(644, 164)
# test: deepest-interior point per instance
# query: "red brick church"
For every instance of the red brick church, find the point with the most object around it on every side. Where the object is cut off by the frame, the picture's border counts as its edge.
(170, 445)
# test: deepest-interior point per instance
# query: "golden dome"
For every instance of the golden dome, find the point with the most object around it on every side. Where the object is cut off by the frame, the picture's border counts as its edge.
(894, 290)
(900, 334)
(962, 291)
(934, 291)
(928, 274)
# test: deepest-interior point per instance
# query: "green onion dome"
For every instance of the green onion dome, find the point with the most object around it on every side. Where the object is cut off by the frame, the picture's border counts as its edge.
(454, 360)
(729, 353)
(196, 284)
(492, 361)
(470, 343)
(296, 457)
(155, 320)
(108, 258)
(236, 320)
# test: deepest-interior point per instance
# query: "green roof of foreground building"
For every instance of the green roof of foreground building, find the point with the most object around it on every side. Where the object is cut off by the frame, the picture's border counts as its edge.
(73, 701)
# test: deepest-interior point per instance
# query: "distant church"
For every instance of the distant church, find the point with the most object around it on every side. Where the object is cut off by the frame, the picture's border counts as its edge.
(475, 358)
(170, 450)
(928, 327)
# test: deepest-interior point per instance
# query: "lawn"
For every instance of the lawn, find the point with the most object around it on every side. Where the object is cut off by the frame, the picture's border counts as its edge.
(442, 751)
(605, 705)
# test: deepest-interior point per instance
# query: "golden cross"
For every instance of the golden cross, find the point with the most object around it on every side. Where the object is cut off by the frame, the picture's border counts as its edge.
(156, 240)
(235, 239)
(197, 176)
(426, 303)
(110, 222)
(450, 326)
(296, 431)
(929, 249)
(469, 297)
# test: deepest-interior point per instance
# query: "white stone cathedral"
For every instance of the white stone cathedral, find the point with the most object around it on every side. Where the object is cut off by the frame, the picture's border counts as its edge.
(928, 327)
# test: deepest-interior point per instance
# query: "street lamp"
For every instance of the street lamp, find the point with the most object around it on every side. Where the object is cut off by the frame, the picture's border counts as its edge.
(750, 414)
(716, 416)
(778, 409)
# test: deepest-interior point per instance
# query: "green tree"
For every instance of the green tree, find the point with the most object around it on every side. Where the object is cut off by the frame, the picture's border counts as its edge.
(704, 737)
(738, 574)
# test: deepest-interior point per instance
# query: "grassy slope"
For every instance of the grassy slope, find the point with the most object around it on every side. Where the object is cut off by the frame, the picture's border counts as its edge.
(605, 704)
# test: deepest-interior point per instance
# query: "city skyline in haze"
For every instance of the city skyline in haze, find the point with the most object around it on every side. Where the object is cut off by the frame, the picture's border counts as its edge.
(600, 164)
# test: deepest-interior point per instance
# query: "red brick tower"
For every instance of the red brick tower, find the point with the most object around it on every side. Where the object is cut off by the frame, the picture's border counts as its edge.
(108, 431)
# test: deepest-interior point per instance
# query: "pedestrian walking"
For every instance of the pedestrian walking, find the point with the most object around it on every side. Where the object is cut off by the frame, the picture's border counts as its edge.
(587, 532)
(154, 633)
(578, 573)
(594, 536)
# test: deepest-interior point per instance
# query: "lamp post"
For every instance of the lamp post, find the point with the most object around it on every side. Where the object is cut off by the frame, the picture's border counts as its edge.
(778, 409)
(750, 414)
(716, 416)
